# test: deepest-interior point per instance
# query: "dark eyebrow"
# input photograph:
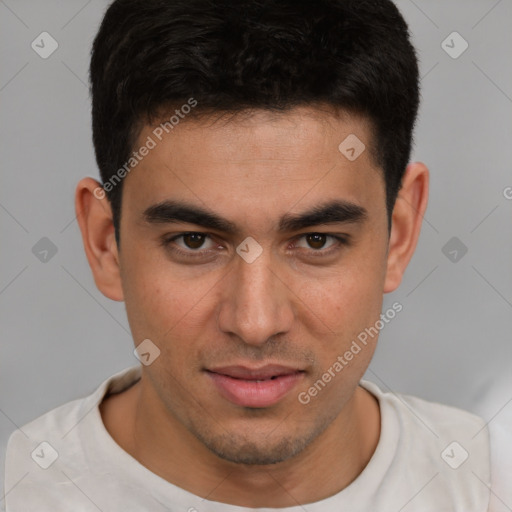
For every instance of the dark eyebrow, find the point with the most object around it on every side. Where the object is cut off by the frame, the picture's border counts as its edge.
(336, 211)
(176, 211)
(329, 213)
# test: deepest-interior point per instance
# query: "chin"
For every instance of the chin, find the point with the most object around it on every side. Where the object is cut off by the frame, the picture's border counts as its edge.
(259, 449)
(243, 451)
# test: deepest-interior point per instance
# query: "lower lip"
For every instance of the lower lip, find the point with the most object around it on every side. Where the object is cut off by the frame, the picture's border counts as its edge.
(250, 393)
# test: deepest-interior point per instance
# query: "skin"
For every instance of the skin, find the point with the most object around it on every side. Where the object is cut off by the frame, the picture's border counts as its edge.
(287, 307)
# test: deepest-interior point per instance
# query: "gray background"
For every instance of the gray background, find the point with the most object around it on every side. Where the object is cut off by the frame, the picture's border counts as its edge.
(451, 343)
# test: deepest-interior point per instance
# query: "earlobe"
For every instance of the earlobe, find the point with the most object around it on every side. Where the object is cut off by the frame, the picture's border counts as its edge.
(407, 218)
(94, 217)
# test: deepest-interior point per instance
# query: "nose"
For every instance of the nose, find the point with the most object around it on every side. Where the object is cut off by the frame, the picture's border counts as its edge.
(256, 302)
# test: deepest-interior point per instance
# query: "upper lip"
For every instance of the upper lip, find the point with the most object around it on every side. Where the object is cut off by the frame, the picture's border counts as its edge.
(261, 373)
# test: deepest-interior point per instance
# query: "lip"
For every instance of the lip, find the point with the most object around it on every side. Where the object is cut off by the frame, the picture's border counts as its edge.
(255, 387)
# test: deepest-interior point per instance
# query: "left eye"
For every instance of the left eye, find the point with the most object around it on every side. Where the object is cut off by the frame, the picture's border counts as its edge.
(316, 241)
(193, 240)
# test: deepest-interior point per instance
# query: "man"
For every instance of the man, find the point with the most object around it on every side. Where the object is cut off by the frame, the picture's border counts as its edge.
(256, 203)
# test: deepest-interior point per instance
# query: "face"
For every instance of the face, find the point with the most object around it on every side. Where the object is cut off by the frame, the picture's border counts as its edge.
(251, 304)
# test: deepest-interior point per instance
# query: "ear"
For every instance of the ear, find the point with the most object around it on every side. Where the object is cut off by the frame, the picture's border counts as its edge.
(94, 216)
(407, 217)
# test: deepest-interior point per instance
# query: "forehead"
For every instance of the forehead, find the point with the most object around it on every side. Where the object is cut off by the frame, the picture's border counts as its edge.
(303, 133)
(259, 162)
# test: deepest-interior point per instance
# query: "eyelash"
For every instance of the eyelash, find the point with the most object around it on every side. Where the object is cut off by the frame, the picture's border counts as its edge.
(168, 241)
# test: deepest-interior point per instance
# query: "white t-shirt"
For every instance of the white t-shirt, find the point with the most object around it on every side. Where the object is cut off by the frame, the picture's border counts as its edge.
(430, 457)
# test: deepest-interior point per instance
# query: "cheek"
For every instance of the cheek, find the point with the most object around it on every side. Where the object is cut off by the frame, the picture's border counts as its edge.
(338, 311)
(146, 293)
(161, 307)
(344, 300)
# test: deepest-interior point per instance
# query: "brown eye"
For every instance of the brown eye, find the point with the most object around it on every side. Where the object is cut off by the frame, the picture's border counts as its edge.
(321, 244)
(193, 240)
(316, 240)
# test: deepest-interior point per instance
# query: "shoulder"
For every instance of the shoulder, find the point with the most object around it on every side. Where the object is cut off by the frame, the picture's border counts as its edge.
(442, 417)
(42, 454)
(59, 423)
(34, 456)
(36, 442)
(440, 449)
